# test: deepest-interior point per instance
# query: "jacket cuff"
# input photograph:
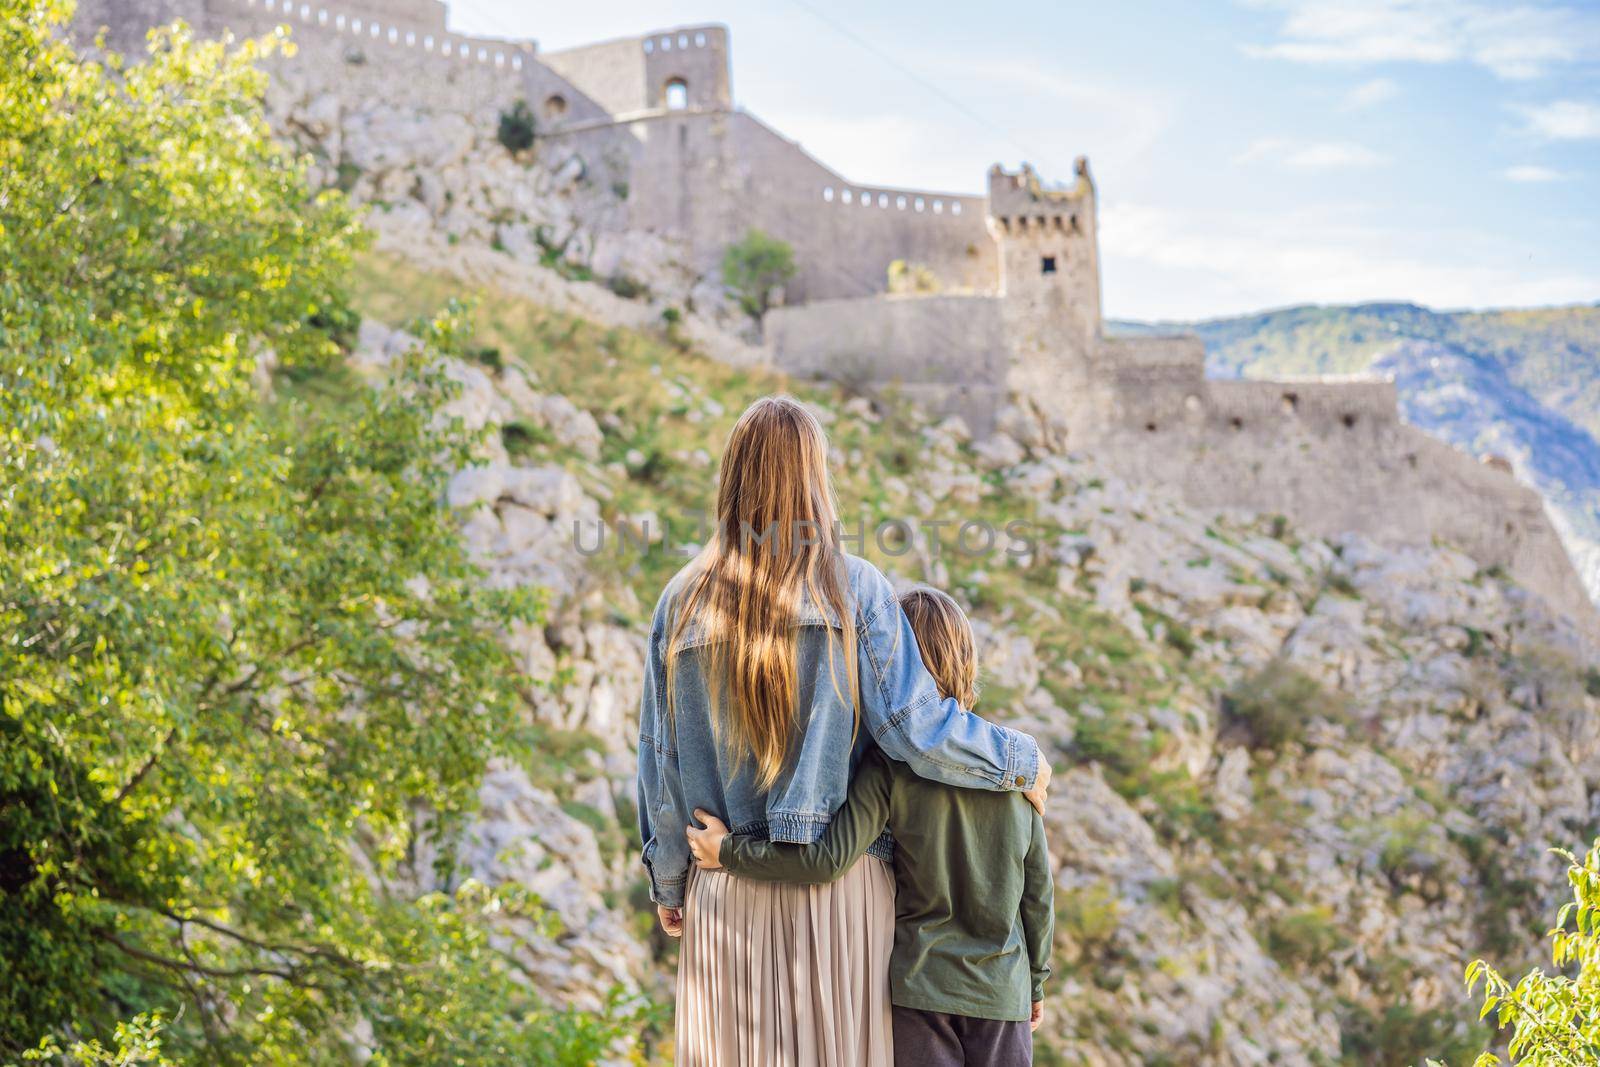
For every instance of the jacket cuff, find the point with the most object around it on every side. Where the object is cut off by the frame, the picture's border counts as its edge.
(668, 892)
(1022, 762)
(725, 854)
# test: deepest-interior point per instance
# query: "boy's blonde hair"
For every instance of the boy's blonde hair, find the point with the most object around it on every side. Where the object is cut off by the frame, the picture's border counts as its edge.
(945, 637)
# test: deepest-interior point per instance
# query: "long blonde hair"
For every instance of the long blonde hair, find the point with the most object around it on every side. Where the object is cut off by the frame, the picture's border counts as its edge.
(776, 537)
(944, 637)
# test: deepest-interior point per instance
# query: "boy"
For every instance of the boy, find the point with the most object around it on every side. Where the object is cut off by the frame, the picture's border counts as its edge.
(974, 901)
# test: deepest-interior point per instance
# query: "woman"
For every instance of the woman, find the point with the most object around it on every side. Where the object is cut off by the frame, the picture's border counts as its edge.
(775, 661)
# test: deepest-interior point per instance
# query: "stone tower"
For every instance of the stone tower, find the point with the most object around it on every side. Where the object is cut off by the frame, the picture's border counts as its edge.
(1049, 291)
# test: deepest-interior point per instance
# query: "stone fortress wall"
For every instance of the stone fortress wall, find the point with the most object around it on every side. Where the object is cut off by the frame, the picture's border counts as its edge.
(1018, 320)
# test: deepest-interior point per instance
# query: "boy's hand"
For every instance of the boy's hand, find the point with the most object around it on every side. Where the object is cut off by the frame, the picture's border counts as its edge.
(671, 920)
(1037, 1017)
(706, 844)
(1041, 785)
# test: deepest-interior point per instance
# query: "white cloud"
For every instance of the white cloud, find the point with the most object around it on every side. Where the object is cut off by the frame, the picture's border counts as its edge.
(1160, 263)
(1310, 155)
(1529, 172)
(1563, 120)
(1513, 41)
(1371, 93)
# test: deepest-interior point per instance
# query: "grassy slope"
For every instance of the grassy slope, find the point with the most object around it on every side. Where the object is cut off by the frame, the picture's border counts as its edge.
(659, 393)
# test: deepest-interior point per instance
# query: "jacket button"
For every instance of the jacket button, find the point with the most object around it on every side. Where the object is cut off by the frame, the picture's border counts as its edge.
(1021, 781)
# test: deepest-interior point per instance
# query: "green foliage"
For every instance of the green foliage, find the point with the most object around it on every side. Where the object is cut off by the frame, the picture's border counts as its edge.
(246, 667)
(522, 439)
(1304, 937)
(1087, 918)
(487, 356)
(753, 267)
(628, 287)
(1272, 707)
(1554, 1018)
(908, 278)
(134, 1042)
(1400, 1034)
(518, 128)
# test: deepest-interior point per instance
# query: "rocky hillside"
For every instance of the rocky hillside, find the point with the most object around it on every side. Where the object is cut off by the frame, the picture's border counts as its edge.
(1298, 776)
(1524, 385)
(1301, 780)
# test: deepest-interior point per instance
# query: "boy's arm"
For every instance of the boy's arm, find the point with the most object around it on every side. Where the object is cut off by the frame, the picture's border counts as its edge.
(1038, 907)
(854, 827)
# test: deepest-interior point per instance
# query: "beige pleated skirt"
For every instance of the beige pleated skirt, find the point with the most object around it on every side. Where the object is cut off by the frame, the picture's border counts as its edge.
(786, 975)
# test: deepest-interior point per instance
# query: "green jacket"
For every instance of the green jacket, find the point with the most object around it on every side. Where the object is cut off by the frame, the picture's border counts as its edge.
(974, 901)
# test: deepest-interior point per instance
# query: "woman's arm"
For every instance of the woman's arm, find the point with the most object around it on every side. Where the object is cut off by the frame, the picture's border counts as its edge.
(851, 831)
(666, 856)
(912, 722)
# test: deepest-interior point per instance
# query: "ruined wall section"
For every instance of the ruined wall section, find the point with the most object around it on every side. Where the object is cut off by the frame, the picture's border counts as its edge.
(709, 176)
(944, 351)
(1336, 458)
(394, 51)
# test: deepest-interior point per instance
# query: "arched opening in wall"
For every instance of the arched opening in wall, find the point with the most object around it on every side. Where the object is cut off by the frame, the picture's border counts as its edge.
(1047, 264)
(676, 94)
(555, 106)
(1349, 421)
(1291, 403)
(1150, 427)
(1236, 423)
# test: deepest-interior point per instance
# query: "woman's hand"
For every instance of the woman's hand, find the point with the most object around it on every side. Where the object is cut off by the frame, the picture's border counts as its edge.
(1041, 785)
(671, 920)
(706, 844)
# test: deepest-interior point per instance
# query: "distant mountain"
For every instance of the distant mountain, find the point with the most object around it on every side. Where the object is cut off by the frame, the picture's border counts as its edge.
(1521, 384)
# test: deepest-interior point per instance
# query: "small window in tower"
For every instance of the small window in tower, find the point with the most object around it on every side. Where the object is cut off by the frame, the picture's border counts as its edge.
(555, 106)
(1047, 265)
(677, 94)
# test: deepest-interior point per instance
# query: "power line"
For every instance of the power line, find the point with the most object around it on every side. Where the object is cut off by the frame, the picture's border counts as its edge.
(932, 87)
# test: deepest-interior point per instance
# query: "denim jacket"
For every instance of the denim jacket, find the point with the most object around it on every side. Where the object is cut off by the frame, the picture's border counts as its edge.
(682, 766)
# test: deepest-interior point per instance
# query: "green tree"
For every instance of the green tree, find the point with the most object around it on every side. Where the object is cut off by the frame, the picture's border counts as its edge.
(517, 128)
(1554, 1018)
(246, 667)
(753, 267)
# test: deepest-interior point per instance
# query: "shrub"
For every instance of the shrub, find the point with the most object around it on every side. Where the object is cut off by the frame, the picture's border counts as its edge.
(1554, 1019)
(753, 267)
(1272, 707)
(487, 356)
(521, 437)
(517, 127)
(912, 278)
(1302, 938)
(1088, 917)
(627, 287)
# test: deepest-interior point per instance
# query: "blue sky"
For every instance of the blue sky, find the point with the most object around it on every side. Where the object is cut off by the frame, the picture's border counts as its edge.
(1249, 154)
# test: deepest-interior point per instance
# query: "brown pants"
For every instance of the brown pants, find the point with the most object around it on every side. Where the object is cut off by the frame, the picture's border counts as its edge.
(934, 1039)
